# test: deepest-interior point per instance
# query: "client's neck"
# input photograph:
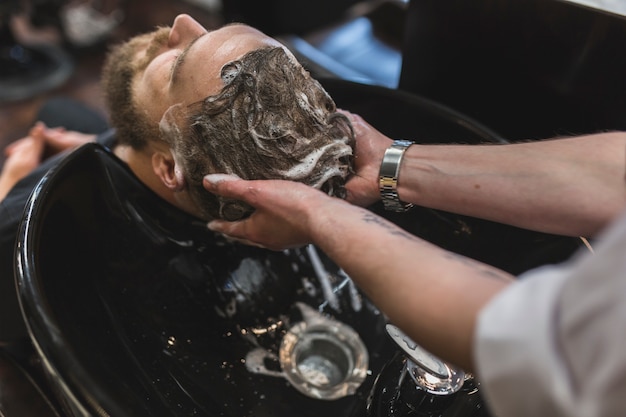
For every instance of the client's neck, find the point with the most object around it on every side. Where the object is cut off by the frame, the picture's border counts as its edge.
(140, 162)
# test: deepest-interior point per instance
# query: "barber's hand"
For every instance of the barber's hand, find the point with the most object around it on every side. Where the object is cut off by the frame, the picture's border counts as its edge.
(280, 220)
(369, 150)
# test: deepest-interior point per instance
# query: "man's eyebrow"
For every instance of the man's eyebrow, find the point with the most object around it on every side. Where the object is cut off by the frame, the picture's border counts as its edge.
(180, 59)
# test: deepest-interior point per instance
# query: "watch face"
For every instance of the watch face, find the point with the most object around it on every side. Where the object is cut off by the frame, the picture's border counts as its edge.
(403, 143)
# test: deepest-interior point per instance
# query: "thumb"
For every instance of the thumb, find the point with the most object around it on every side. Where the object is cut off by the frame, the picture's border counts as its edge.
(219, 183)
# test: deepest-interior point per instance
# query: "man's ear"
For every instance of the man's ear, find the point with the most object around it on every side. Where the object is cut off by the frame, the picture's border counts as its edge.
(168, 170)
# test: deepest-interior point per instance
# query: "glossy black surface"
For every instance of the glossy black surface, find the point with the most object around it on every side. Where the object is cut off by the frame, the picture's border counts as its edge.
(395, 395)
(20, 395)
(403, 115)
(529, 69)
(137, 310)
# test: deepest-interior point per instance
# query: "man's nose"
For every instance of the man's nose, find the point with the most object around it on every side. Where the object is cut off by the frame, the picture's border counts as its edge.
(184, 29)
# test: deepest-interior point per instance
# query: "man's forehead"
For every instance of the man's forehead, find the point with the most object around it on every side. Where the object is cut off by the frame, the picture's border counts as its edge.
(148, 45)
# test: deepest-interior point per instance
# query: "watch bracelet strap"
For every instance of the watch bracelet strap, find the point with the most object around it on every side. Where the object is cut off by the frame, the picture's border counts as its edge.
(388, 176)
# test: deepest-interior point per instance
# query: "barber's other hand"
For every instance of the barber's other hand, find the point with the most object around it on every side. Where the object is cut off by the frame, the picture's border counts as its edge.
(280, 220)
(369, 150)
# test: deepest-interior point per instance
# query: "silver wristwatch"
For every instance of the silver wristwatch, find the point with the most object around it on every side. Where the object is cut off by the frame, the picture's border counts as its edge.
(388, 176)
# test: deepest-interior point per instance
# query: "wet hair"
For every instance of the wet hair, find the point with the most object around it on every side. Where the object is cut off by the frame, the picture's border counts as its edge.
(271, 120)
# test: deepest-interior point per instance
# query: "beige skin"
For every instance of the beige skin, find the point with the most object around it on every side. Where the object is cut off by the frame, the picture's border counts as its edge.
(157, 88)
(169, 80)
(573, 186)
(24, 155)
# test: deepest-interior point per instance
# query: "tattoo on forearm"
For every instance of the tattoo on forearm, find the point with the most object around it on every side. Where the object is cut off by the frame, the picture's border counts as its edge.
(483, 270)
(397, 231)
(392, 229)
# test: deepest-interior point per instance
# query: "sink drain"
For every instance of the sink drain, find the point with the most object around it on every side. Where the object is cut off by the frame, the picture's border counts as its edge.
(325, 359)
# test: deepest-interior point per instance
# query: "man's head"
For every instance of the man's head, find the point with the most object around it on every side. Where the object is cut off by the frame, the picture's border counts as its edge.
(231, 101)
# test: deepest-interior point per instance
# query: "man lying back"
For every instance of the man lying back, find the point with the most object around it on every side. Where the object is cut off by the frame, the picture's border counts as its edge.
(187, 102)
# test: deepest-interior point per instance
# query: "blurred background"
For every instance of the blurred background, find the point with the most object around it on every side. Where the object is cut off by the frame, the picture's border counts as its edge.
(528, 70)
(57, 47)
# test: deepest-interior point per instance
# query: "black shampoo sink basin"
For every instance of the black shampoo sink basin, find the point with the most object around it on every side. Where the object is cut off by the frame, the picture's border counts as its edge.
(136, 309)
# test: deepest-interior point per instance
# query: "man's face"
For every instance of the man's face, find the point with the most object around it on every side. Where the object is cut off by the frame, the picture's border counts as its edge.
(181, 72)
(182, 64)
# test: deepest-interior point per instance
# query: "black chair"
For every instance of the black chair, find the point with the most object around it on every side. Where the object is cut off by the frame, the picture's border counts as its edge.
(21, 395)
(528, 69)
(136, 309)
(356, 40)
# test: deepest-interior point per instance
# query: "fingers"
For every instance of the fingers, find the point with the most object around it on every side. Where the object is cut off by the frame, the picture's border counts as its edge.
(226, 227)
(37, 129)
(43, 132)
(30, 145)
(359, 125)
(354, 117)
(23, 156)
(281, 209)
(267, 194)
(257, 193)
(34, 132)
(60, 139)
(57, 138)
(229, 186)
(252, 231)
(234, 231)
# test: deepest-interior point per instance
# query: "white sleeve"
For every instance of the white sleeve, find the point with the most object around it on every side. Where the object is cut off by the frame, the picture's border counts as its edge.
(554, 343)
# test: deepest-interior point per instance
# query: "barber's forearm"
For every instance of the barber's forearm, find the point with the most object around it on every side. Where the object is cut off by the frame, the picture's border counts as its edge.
(569, 186)
(432, 294)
